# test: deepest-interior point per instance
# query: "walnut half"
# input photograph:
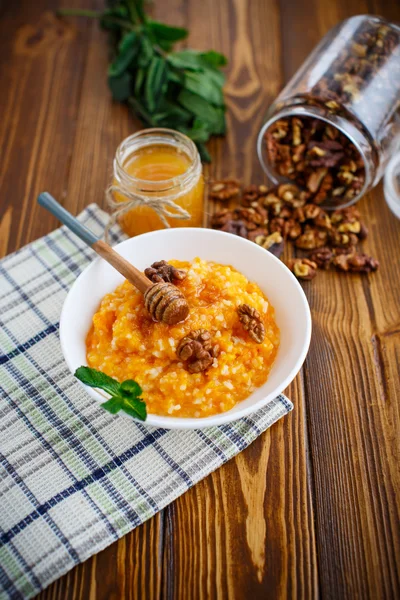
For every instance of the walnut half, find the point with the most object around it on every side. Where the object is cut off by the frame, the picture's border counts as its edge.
(322, 257)
(163, 271)
(302, 268)
(197, 350)
(225, 189)
(355, 263)
(250, 318)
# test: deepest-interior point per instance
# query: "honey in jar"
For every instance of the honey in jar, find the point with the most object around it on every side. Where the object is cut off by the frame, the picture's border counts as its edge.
(158, 174)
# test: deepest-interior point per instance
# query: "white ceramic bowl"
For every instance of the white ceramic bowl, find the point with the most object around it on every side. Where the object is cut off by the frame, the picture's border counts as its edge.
(273, 277)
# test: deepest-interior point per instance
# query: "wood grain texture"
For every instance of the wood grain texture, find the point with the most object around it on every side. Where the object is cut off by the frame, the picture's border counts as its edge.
(310, 509)
(248, 528)
(353, 413)
(130, 569)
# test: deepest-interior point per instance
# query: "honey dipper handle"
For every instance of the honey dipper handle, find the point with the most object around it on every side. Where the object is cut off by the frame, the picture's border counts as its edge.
(136, 277)
(131, 273)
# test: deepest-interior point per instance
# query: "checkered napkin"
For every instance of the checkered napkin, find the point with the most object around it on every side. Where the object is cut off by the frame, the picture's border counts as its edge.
(73, 478)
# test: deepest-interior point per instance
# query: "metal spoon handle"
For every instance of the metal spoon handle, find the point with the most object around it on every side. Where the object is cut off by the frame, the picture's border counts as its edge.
(51, 204)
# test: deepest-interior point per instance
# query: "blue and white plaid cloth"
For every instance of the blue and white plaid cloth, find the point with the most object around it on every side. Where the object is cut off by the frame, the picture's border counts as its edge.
(73, 478)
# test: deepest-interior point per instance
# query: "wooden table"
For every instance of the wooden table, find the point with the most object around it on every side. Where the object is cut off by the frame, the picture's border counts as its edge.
(312, 507)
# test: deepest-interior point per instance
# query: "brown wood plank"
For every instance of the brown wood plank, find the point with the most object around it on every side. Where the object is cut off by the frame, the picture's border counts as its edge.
(354, 420)
(42, 62)
(101, 125)
(129, 569)
(352, 387)
(247, 530)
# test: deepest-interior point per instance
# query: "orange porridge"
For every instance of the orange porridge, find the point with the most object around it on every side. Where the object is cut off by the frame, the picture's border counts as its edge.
(125, 343)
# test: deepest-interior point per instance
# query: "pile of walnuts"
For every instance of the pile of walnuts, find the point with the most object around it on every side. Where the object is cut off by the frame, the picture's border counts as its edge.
(269, 217)
(315, 156)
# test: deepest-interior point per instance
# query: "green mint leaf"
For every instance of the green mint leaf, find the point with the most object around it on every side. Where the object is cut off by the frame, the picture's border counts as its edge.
(140, 76)
(97, 379)
(220, 125)
(172, 113)
(130, 388)
(141, 112)
(163, 32)
(198, 133)
(113, 405)
(205, 62)
(156, 77)
(146, 52)
(186, 59)
(199, 83)
(216, 76)
(198, 61)
(124, 396)
(127, 51)
(128, 40)
(204, 153)
(176, 76)
(135, 407)
(165, 45)
(214, 59)
(199, 107)
(120, 86)
(136, 10)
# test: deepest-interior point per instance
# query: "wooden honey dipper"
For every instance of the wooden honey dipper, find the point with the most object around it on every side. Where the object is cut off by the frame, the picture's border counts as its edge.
(164, 301)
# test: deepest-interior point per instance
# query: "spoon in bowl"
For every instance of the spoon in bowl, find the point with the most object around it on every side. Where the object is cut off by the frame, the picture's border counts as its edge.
(164, 301)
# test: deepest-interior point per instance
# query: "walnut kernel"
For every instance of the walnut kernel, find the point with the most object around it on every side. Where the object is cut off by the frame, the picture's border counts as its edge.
(250, 318)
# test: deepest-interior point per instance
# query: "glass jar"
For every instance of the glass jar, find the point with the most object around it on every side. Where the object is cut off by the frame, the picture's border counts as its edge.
(157, 182)
(334, 126)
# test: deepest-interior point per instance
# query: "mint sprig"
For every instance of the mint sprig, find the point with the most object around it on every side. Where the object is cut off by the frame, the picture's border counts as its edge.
(124, 396)
(179, 89)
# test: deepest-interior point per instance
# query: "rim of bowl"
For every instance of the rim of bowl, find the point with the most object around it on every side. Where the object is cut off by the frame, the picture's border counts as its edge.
(167, 422)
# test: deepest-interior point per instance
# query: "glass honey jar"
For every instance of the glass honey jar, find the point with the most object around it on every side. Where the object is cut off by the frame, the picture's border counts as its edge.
(157, 182)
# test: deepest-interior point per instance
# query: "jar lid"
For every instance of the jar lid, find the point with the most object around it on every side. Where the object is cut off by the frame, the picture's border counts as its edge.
(392, 185)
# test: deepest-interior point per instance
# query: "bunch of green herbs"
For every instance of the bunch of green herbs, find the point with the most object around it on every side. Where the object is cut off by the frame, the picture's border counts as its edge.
(180, 90)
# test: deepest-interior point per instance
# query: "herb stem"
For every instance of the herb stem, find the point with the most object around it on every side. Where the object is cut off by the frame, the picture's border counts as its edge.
(94, 14)
(160, 51)
(135, 8)
(138, 108)
(78, 12)
(121, 23)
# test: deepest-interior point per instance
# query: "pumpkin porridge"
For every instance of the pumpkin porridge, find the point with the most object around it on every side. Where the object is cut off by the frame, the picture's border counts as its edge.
(202, 366)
